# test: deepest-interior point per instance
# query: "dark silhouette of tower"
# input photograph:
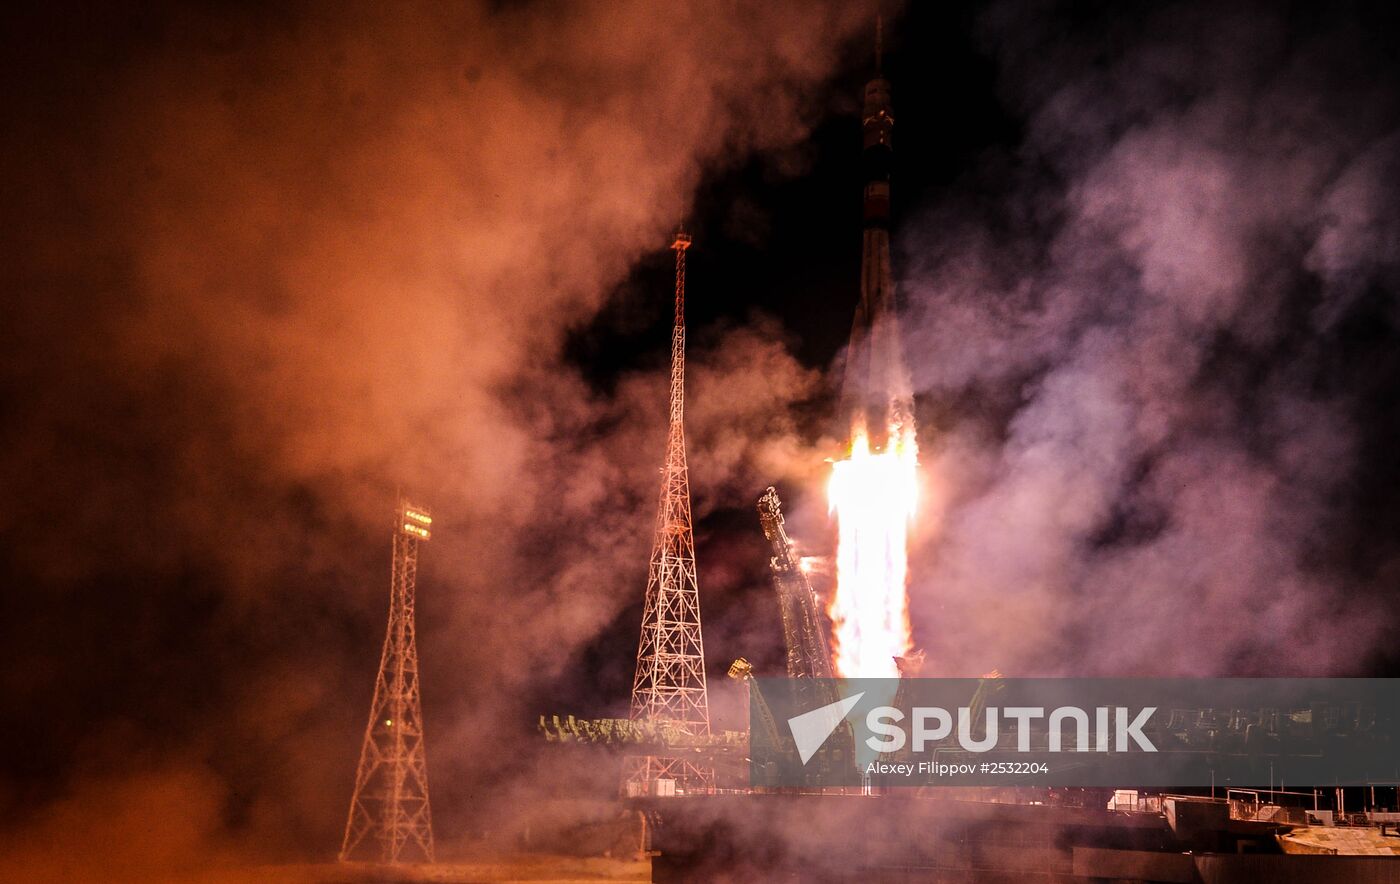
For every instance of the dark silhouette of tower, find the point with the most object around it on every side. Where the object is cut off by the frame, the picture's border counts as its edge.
(804, 628)
(809, 661)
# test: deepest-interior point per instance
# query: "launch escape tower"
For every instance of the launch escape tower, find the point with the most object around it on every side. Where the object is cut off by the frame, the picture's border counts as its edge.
(670, 678)
(876, 393)
(391, 783)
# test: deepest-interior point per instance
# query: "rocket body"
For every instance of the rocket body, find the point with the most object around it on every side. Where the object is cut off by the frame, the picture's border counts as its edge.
(877, 393)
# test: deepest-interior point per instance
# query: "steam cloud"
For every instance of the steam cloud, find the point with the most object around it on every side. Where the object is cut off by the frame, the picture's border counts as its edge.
(268, 266)
(272, 264)
(1155, 332)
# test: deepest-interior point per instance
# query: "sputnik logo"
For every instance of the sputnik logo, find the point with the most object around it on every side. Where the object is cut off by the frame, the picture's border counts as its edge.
(811, 729)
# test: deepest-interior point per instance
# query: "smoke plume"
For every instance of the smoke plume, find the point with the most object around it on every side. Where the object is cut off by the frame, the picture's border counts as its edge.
(271, 265)
(266, 266)
(1166, 423)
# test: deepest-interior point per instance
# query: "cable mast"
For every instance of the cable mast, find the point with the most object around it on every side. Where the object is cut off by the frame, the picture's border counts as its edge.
(391, 783)
(670, 680)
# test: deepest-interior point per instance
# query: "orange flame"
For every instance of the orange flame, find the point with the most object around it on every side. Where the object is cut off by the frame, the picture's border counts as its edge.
(873, 496)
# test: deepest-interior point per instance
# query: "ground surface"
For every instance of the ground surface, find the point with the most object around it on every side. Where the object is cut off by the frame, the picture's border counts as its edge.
(1341, 841)
(533, 867)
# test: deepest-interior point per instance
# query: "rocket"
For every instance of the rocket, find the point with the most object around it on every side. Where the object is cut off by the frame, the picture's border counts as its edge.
(877, 392)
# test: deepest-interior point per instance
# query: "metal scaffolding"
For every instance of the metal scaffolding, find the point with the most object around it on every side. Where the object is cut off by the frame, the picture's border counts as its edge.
(670, 680)
(391, 784)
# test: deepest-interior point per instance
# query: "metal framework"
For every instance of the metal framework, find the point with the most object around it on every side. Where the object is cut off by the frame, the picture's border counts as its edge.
(742, 670)
(391, 784)
(804, 631)
(670, 679)
(804, 628)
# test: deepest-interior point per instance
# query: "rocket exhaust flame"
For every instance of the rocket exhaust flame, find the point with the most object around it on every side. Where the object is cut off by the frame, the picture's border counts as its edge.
(873, 496)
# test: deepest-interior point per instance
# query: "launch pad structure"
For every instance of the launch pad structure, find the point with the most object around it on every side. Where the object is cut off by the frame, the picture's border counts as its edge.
(669, 701)
(752, 832)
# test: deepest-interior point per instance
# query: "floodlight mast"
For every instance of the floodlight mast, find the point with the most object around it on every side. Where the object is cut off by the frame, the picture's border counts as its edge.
(390, 801)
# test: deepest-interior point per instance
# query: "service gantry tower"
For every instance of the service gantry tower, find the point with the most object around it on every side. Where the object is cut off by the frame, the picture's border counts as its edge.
(391, 784)
(809, 661)
(670, 679)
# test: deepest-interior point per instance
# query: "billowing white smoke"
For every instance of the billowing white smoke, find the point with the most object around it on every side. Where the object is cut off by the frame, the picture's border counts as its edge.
(1150, 473)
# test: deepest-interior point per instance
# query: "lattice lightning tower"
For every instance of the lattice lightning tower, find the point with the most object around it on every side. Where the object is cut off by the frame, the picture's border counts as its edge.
(670, 679)
(391, 784)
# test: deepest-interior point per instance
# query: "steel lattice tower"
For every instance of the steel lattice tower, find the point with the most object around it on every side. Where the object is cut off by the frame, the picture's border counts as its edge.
(670, 679)
(391, 783)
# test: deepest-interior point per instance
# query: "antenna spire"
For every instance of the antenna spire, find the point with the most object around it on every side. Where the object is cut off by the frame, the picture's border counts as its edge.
(669, 687)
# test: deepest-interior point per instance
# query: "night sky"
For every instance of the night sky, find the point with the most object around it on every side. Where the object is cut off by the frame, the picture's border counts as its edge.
(266, 265)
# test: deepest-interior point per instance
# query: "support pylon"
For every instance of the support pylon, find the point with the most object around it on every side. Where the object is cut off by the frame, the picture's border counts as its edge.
(391, 783)
(670, 679)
